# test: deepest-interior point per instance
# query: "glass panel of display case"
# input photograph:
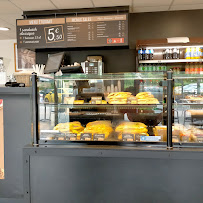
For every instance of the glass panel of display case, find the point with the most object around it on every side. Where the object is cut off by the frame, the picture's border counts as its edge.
(1, 141)
(188, 108)
(108, 107)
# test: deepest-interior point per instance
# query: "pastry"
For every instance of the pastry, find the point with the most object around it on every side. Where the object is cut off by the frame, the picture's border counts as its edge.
(79, 102)
(99, 127)
(131, 128)
(70, 127)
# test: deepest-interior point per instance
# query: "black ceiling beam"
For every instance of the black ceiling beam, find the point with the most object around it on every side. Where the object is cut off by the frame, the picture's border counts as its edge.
(61, 12)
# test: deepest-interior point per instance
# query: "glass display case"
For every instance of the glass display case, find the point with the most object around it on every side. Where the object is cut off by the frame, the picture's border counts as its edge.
(188, 109)
(115, 108)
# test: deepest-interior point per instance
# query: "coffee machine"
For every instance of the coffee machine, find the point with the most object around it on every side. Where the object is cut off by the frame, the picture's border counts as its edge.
(93, 65)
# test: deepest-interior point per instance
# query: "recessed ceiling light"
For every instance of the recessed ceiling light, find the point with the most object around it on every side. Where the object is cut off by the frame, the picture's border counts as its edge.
(4, 28)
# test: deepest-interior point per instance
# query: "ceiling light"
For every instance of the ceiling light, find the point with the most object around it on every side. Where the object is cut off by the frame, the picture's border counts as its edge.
(4, 28)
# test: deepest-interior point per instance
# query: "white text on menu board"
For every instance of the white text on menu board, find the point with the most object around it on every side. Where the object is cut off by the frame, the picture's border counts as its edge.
(40, 21)
(83, 19)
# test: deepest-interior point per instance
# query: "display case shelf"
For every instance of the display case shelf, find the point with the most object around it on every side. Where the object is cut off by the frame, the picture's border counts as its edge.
(105, 106)
(171, 61)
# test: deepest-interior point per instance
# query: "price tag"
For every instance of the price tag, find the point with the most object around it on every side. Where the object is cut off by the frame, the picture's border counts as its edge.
(175, 138)
(185, 139)
(199, 138)
(150, 138)
(128, 137)
(86, 137)
(54, 34)
(137, 138)
(71, 136)
(99, 137)
(96, 100)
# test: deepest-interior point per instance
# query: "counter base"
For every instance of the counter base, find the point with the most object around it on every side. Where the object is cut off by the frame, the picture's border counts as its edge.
(112, 174)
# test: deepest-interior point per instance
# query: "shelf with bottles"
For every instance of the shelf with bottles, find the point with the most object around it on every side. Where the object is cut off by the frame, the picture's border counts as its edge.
(176, 54)
(160, 68)
(172, 61)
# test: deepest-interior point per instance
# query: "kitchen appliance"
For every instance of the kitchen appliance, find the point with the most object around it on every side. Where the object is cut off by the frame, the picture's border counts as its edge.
(93, 65)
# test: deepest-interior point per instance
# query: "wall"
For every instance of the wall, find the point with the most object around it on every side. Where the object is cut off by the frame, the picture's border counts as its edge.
(158, 25)
(154, 25)
(7, 52)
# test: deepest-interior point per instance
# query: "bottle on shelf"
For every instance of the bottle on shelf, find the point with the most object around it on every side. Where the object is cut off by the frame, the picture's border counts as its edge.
(147, 54)
(178, 53)
(177, 70)
(198, 53)
(150, 67)
(140, 54)
(201, 55)
(175, 53)
(154, 67)
(164, 54)
(167, 54)
(187, 68)
(193, 53)
(151, 54)
(196, 67)
(201, 68)
(140, 68)
(145, 68)
(188, 53)
(143, 54)
(192, 68)
(170, 54)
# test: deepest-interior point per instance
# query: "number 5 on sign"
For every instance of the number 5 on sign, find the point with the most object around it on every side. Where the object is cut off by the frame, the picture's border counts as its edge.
(54, 34)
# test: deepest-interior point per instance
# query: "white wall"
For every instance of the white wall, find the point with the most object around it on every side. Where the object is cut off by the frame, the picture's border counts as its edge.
(7, 52)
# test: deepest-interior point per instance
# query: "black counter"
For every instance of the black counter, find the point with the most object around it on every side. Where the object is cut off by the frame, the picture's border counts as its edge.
(113, 174)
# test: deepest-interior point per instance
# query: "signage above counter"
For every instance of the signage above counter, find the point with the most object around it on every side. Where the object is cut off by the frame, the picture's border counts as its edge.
(80, 31)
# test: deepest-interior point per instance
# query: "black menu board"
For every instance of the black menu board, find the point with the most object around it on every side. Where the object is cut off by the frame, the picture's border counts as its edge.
(41, 33)
(89, 31)
(81, 31)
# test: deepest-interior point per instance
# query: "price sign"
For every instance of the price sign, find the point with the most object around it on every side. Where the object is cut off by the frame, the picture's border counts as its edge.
(99, 137)
(54, 34)
(86, 136)
(71, 136)
(128, 137)
(41, 33)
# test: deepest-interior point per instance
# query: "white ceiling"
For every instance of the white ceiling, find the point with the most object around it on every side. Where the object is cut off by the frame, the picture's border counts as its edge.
(10, 10)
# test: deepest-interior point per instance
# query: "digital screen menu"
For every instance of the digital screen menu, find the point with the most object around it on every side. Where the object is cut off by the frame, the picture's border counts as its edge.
(81, 31)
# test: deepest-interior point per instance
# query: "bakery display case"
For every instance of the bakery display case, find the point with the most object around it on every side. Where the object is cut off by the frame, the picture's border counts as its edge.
(188, 113)
(108, 108)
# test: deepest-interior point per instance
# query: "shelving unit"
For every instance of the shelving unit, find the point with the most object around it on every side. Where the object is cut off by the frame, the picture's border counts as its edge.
(172, 61)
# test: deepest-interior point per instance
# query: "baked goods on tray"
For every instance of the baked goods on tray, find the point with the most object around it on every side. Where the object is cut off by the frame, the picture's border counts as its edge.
(70, 127)
(146, 98)
(131, 128)
(118, 97)
(99, 127)
(79, 102)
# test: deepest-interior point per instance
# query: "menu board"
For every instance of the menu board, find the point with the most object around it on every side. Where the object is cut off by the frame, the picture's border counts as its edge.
(41, 33)
(92, 31)
(81, 31)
